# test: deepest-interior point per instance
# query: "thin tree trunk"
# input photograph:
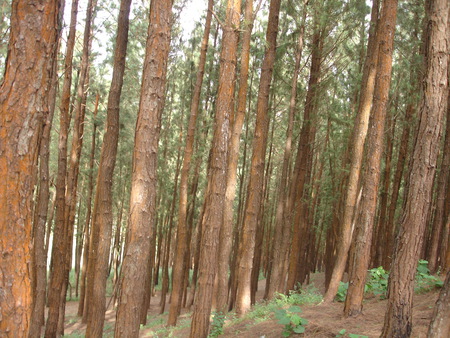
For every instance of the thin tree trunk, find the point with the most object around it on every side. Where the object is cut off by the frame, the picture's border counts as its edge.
(359, 136)
(398, 318)
(360, 254)
(144, 180)
(440, 322)
(102, 217)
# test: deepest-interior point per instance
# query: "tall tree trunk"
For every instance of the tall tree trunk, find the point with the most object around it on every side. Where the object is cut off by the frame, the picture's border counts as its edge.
(359, 137)
(360, 253)
(225, 238)
(179, 267)
(102, 218)
(282, 233)
(58, 246)
(398, 318)
(24, 108)
(256, 182)
(87, 227)
(143, 184)
(215, 195)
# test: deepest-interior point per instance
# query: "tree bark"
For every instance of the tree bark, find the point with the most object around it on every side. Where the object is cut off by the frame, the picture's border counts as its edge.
(440, 322)
(144, 180)
(24, 108)
(398, 318)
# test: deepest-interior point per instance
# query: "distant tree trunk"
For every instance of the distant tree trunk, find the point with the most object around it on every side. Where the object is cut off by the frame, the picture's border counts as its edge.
(282, 234)
(440, 322)
(359, 137)
(256, 182)
(87, 231)
(398, 318)
(216, 186)
(24, 108)
(364, 222)
(58, 247)
(178, 270)
(225, 238)
(144, 180)
(102, 217)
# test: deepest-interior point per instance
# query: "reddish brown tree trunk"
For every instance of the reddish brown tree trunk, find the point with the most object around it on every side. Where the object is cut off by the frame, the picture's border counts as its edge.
(440, 322)
(398, 318)
(24, 107)
(144, 180)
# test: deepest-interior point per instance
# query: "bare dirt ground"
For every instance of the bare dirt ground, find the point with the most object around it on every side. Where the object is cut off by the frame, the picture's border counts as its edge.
(324, 321)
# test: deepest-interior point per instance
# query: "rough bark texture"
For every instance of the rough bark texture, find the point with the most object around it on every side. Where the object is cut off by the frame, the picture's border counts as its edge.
(359, 137)
(181, 245)
(58, 247)
(215, 196)
(256, 182)
(143, 184)
(360, 252)
(225, 239)
(24, 107)
(102, 218)
(282, 233)
(398, 318)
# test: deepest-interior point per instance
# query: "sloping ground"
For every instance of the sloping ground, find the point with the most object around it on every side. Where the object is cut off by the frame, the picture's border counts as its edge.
(324, 321)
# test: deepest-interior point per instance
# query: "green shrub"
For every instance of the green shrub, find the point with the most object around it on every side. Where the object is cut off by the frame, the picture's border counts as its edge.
(292, 322)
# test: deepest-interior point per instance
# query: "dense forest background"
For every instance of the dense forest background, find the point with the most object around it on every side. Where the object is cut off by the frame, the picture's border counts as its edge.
(275, 140)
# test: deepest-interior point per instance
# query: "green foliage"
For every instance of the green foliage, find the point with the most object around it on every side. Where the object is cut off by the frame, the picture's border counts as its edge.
(343, 333)
(424, 281)
(301, 296)
(292, 322)
(342, 292)
(217, 325)
(378, 282)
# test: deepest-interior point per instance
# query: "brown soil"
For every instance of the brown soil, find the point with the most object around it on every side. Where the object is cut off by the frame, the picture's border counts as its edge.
(324, 321)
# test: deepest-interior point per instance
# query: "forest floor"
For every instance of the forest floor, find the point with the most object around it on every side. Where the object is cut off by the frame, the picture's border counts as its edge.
(323, 321)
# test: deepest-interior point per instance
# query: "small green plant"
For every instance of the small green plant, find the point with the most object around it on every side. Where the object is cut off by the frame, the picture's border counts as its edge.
(343, 333)
(292, 322)
(425, 281)
(378, 282)
(342, 292)
(217, 325)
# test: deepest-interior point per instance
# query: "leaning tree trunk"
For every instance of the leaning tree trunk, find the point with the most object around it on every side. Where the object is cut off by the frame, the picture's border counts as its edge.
(256, 182)
(102, 217)
(364, 223)
(24, 107)
(398, 318)
(144, 180)
(440, 322)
